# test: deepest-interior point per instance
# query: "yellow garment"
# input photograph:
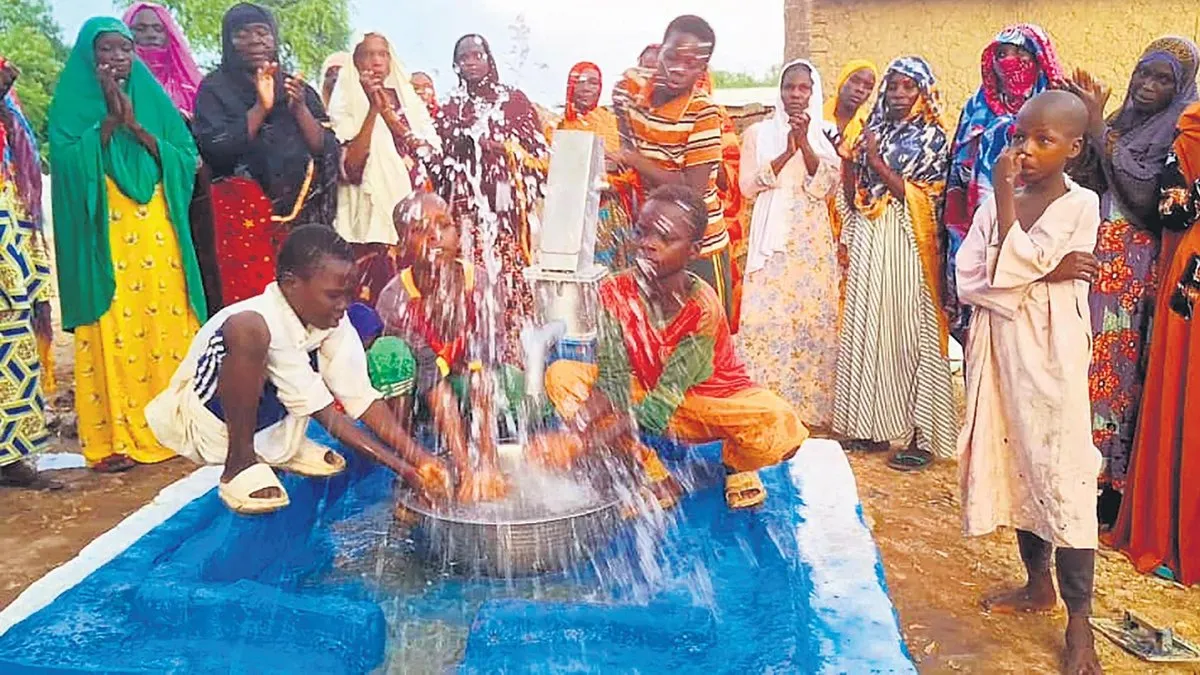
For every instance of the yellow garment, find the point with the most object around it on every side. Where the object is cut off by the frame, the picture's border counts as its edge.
(922, 213)
(855, 126)
(850, 136)
(599, 121)
(128, 356)
(758, 427)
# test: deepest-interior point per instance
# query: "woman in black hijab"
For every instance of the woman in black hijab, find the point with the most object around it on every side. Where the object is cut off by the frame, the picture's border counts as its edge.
(275, 161)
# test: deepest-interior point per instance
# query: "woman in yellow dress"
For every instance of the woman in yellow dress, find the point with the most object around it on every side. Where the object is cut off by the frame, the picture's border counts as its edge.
(129, 283)
(614, 240)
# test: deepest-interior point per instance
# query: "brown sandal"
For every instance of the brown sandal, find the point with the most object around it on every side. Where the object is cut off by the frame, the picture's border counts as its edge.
(114, 464)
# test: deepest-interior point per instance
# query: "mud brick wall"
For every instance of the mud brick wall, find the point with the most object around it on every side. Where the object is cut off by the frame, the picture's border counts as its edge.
(1103, 36)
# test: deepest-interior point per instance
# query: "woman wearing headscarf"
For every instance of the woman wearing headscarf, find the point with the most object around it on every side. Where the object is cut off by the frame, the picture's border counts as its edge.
(614, 239)
(25, 328)
(160, 44)
(274, 162)
(789, 329)
(387, 137)
(893, 379)
(423, 84)
(1126, 156)
(1160, 510)
(129, 285)
(493, 176)
(847, 109)
(1018, 65)
(330, 70)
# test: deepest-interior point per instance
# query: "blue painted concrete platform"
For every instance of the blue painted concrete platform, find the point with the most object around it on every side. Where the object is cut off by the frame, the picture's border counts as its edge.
(793, 587)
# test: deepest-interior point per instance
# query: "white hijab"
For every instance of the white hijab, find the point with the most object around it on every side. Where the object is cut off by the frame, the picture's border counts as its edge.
(769, 235)
(365, 210)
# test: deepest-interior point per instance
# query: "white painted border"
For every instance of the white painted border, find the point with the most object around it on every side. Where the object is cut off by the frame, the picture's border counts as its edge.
(109, 545)
(848, 597)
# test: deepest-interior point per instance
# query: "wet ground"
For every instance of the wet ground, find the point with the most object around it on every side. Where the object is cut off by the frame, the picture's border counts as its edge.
(935, 575)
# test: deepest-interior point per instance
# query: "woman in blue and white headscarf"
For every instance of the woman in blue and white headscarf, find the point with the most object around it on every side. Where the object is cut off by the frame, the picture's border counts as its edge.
(1020, 63)
(893, 379)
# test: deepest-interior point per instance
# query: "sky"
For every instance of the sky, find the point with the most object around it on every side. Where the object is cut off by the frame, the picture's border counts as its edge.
(610, 33)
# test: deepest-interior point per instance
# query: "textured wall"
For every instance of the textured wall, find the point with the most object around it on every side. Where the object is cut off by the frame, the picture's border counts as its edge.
(1104, 36)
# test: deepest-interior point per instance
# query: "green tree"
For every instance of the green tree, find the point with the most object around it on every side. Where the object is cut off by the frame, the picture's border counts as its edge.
(30, 38)
(726, 79)
(310, 29)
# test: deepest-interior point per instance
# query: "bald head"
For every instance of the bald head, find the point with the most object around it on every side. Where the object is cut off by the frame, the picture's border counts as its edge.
(1056, 109)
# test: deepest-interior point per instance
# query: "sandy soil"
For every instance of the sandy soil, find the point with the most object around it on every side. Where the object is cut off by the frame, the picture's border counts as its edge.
(936, 577)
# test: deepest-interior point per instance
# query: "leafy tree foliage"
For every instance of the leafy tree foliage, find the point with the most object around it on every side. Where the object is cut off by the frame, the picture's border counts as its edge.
(30, 38)
(310, 29)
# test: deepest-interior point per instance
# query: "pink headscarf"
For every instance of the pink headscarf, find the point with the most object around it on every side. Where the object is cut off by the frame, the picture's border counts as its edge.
(171, 65)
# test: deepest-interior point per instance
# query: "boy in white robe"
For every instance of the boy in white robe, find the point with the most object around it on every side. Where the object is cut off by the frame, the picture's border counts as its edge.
(259, 370)
(1026, 456)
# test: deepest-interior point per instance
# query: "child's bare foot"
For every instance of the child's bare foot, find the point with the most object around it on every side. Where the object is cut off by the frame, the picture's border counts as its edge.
(1030, 598)
(1081, 656)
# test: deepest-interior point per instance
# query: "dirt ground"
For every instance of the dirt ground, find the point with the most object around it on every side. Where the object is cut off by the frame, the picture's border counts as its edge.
(935, 576)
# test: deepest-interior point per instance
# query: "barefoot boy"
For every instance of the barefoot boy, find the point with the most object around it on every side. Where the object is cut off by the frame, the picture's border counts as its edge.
(429, 310)
(1026, 454)
(665, 354)
(260, 369)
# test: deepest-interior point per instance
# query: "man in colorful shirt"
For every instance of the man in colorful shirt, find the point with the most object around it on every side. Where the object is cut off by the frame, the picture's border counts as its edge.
(676, 131)
(665, 355)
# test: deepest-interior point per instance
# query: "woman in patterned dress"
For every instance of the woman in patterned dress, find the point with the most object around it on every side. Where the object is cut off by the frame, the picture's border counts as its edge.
(1019, 64)
(1160, 510)
(493, 175)
(274, 162)
(1126, 157)
(24, 296)
(614, 238)
(893, 379)
(128, 278)
(789, 329)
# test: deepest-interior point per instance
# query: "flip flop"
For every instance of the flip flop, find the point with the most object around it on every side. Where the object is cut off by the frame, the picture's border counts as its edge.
(744, 490)
(236, 493)
(114, 464)
(909, 461)
(310, 461)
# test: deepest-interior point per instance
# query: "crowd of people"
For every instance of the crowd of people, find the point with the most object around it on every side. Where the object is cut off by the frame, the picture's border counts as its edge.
(210, 234)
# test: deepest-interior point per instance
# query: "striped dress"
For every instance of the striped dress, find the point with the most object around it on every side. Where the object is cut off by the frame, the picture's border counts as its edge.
(891, 375)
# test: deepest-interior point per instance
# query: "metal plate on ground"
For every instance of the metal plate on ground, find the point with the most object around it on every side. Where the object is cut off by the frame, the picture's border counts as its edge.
(1139, 637)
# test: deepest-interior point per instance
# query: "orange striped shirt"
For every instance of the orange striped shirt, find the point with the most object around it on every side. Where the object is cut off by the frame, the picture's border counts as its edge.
(679, 134)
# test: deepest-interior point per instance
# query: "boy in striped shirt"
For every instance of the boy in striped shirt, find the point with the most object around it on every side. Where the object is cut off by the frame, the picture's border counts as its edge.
(675, 130)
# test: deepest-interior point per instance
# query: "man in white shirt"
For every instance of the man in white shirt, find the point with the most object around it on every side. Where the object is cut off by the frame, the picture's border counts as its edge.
(260, 369)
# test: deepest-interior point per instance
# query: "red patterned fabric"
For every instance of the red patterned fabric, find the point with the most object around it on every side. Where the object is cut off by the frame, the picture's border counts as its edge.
(246, 238)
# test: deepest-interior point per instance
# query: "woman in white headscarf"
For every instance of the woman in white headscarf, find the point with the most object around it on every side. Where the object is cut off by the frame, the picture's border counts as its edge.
(789, 324)
(388, 141)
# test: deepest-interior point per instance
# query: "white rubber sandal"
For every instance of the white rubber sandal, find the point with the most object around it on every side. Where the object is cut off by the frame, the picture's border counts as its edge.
(309, 461)
(236, 493)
